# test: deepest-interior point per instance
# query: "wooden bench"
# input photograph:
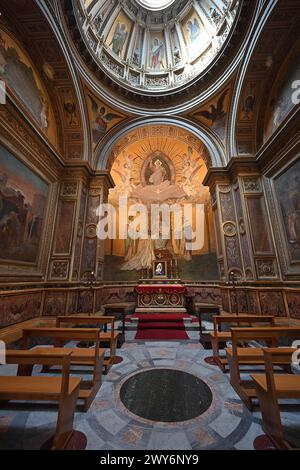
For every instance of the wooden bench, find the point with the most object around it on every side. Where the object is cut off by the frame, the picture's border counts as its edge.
(92, 357)
(107, 337)
(63, 389)
(219, 338)
(238, 356)
(272, 387)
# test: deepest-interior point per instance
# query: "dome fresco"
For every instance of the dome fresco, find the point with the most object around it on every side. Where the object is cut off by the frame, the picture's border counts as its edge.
(155, 45)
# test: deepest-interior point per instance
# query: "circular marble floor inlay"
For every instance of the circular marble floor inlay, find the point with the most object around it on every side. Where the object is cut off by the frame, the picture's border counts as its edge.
(166, 395)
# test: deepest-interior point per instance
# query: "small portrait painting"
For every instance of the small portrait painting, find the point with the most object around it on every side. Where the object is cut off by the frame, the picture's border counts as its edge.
(159, 269)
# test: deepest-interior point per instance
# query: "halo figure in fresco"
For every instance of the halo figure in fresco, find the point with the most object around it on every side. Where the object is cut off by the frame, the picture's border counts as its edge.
(193, 28)
(157, 54)
(119, 38)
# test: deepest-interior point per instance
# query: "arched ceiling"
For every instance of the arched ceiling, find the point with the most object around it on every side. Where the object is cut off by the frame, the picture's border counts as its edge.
(94, 113)
(272, 61)
(183, 158)
(160, 137)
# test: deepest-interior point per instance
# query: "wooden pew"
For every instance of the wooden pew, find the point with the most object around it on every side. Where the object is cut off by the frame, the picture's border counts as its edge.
(217, 337)
(270, 388)
(63, 389)
(92, 357)
(238, 356)
(110, 337)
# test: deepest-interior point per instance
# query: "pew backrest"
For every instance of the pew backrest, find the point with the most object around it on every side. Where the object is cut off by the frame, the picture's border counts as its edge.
(269, 334)
(218, 320)
(51, 358)
(86, 320)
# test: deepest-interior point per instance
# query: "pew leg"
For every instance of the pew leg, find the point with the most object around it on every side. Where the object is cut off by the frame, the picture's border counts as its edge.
(216, 354)
(270, 414)
(65, 420)
(97, 382)
(113, 347)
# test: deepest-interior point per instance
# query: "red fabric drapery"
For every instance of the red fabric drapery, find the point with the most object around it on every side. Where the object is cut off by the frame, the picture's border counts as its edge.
(161, 288)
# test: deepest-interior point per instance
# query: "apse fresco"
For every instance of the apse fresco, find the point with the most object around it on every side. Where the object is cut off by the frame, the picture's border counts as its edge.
(22, 80)
(281, 102)
(161, 171)
(287, 189)
(23, 201)
(118, 37)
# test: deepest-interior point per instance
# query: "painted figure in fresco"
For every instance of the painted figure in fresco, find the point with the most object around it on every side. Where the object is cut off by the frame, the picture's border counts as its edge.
(193, 28)
(189, 171)
(158, 173)
(159, 188)
(294, 212)
(157, 54)
(248, 104)
(20, 78)
(20, 224)
(70, 109)
(136, 57)
(125, 172)
(176, 55)
(217, 115)
(3, 56)
(119, 38)
(101, 120)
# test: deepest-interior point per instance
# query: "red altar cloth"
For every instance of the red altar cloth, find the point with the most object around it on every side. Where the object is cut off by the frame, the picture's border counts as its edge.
(158, 288)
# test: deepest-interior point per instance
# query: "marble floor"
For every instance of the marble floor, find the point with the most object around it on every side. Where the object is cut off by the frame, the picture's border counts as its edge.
(227, 424)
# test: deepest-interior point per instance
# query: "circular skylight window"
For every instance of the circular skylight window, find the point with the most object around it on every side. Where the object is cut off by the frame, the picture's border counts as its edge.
(155, 4)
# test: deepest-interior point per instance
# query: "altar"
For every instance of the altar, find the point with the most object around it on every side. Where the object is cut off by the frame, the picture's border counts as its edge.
(161, 298)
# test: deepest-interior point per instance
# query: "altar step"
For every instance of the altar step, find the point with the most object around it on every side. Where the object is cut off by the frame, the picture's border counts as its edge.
(160, 317)
(161, 310)
(161, 325)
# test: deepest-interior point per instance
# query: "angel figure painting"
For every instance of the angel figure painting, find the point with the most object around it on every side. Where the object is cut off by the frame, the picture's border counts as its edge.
(102, 120)
(190, 169)
(216, 114)
(124, 172)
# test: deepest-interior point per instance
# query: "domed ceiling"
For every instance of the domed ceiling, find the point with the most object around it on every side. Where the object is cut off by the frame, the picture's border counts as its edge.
(150, 46)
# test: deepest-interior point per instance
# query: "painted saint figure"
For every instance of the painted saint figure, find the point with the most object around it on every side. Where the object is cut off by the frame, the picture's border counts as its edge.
(193, 28)
(119, 38)
(157, 54)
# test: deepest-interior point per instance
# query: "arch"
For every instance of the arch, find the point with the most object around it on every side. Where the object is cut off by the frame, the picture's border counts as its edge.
(260, 23)
(212, 144)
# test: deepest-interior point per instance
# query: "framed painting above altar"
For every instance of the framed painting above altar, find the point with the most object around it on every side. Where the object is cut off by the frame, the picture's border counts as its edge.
(160, 269)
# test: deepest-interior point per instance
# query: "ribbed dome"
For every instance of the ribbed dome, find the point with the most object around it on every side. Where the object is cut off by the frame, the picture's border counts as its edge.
(155, 45)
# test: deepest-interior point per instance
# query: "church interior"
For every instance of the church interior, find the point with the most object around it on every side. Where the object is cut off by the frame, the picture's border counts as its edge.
(149, 225)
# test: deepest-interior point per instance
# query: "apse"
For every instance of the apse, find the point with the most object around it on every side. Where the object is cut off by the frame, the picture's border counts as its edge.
(161, 165)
